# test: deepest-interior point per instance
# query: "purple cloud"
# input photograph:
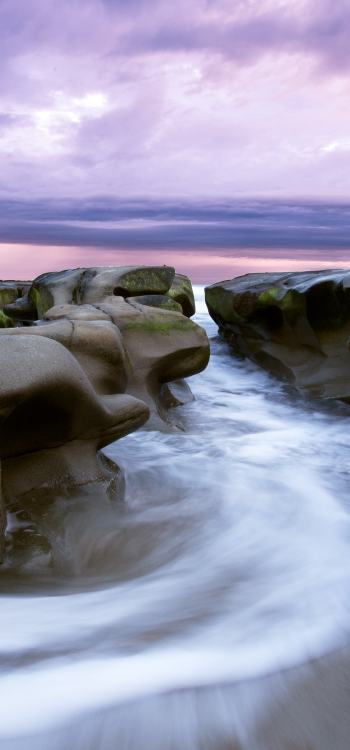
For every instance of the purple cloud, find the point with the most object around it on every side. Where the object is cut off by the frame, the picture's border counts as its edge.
(320, 28)
(149, 98)
(309, 229)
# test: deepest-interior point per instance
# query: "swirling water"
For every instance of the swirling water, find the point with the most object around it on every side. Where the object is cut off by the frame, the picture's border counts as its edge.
(211, 609)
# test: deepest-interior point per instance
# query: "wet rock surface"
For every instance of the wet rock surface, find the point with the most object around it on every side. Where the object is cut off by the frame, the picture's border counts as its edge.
(181, 291)
(85, 360)
(296, 325)
(10, 291)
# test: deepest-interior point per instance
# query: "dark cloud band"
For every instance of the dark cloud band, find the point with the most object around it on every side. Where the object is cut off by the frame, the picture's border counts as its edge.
(306, 228)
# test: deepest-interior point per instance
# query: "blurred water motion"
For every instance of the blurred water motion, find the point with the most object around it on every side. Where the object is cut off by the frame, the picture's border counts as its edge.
(211, 609)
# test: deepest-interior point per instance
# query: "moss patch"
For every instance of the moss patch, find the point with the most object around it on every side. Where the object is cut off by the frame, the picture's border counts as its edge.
(158, 326)
(34, 296)
(269, 296)
(144, 280)
(221, 302)
(7, 296)
(42, 299)
(5, 321)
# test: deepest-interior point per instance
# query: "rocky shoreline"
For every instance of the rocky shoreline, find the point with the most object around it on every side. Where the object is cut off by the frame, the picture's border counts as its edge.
(295, 325)
(92, 354)
(88, 356)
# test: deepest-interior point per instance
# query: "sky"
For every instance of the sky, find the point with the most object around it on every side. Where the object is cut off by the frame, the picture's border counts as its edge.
(210, 134)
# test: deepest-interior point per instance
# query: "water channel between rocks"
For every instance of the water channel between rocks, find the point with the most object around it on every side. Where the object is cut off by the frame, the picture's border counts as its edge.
(211, 609)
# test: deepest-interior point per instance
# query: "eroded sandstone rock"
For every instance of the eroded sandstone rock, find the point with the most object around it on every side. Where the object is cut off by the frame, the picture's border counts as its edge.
(98, 283)
(53, 423)
(161, 346)
(86, 286)
(10, 291)
(181, 291)
(124, 340)
(294, 324)
(163, 301)
(92, 352)
(126, 346)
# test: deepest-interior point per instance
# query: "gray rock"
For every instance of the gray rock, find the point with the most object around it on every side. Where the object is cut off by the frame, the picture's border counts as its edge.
(10, 291)
(85, 286)
(181, 291)
(293, 324)
(56, 288)
(53, 423)
(156, 300)
(132, 281)
(176, 393)
(23, 310)
(98, 360)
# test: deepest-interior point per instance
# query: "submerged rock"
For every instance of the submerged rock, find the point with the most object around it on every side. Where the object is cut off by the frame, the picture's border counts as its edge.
(295, 325)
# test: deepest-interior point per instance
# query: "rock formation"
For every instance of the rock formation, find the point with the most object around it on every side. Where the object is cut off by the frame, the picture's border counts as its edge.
(81, 286)
(297, 325)
(10, 291)
(92, 352)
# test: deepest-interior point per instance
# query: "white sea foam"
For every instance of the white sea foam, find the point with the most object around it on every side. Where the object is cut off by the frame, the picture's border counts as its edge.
(229, 561)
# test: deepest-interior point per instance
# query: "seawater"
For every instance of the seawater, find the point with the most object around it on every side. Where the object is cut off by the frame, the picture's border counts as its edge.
(210, 610)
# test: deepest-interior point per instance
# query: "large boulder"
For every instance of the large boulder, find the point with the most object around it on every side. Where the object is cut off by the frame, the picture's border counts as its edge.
(129, 281)
(161, 346)
(53, 423)
(296, 325)
(46, 400)
(91, 353)
(127, 327)
(25, 301)
(126, 346)
(55, 288)
(92, 338)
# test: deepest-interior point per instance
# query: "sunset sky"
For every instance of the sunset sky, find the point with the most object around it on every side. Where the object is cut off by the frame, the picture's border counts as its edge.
(213, 134)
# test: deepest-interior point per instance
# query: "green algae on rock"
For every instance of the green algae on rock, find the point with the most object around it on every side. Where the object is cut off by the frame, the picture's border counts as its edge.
(181, 291)
(92, 358)
(82, 286)
(164, 301)
(296, 325)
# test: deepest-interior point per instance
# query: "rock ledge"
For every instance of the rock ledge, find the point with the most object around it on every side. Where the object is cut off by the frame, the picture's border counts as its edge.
(296, 325)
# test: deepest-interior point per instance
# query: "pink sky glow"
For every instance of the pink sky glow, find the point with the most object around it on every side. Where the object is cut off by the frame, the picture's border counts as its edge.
(30, 261)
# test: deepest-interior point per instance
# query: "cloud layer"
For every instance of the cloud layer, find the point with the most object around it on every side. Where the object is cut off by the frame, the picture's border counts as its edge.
(196, 99)
(306, 228)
